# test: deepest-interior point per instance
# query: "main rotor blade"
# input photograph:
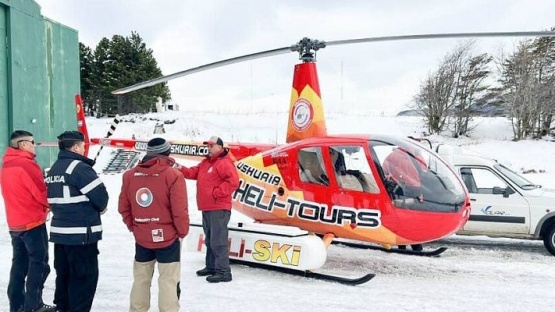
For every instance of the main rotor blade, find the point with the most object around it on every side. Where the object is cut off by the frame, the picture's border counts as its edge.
(444, 36)
(298, 47)
(201, 68)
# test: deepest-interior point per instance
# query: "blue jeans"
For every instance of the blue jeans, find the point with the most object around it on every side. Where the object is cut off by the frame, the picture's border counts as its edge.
(29, 268)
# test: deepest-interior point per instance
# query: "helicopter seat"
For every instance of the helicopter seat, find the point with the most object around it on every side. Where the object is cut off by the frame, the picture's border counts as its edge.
(368, 183)
(349, 182)
(306, 176)
(310, 169)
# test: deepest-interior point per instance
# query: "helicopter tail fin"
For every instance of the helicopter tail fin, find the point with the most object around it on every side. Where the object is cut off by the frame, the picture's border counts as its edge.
(306, 112)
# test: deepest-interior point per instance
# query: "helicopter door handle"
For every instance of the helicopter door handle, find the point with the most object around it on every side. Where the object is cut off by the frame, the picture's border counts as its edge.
(472, 199)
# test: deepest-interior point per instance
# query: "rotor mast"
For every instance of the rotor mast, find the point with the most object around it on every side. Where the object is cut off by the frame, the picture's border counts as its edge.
(307, 49)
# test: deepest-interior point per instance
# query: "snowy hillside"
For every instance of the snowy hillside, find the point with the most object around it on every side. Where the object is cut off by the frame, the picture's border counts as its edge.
(474, 274)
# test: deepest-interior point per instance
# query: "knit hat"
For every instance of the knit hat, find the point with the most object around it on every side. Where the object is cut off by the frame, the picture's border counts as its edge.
(69, 138)
(158, 146)
(214, 141)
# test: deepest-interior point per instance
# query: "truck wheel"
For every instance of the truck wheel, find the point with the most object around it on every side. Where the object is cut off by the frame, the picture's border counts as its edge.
(549, 239)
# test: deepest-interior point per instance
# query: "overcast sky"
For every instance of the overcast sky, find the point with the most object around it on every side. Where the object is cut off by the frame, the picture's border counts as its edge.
(378, 77)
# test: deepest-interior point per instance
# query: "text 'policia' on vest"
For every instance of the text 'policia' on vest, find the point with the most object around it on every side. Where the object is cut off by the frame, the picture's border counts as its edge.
(77, 197)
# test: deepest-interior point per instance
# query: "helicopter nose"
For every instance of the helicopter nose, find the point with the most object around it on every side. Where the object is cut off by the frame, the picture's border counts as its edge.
(412, 226)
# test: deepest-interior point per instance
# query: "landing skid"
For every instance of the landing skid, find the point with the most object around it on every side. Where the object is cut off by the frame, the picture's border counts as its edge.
(319, 276)
(424, 253)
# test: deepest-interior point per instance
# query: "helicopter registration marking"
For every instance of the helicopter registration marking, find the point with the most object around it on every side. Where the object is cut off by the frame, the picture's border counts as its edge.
(253, 196)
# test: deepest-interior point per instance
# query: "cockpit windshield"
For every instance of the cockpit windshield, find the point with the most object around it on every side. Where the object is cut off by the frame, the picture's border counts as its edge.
(414, 177)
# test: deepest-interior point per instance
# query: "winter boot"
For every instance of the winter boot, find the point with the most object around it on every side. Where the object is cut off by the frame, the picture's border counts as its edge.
(45, 308)
(219, 277)
(205, 272)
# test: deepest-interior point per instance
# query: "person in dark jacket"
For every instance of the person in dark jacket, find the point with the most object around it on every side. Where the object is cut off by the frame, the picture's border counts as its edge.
(217, 179)
(77, 198)
(153, 204)
(24, 194)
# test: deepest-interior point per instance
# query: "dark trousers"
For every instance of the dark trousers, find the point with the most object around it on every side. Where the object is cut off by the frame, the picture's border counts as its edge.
(76, 276)
(29, 268)
(169, 254)
(214, 224)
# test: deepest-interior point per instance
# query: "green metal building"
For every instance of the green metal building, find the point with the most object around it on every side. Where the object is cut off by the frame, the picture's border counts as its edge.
(39, 76)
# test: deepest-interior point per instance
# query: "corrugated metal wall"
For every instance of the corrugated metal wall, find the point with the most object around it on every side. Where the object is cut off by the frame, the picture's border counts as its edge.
(39, 76)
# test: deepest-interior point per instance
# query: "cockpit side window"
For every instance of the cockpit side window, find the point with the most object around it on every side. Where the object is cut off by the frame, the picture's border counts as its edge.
(311, 166)
(351, 169)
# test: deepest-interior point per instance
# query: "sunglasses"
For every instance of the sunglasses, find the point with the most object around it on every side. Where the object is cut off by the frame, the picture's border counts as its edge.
(32, 141)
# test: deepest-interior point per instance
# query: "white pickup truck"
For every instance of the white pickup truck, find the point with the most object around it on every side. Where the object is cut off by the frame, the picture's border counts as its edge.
(503, 203)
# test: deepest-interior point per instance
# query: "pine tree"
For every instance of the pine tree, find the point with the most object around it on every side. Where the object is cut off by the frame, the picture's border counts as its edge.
(117, 63)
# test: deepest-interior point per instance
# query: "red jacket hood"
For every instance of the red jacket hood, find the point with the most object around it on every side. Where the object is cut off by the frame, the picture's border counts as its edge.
(155, 164)
(14, 153)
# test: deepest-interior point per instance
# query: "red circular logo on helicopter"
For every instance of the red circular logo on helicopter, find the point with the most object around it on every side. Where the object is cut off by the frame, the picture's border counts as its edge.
(302, 114)
(144, 197)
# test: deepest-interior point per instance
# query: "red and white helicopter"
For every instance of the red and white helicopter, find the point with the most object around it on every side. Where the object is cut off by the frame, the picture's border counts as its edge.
(370, 188)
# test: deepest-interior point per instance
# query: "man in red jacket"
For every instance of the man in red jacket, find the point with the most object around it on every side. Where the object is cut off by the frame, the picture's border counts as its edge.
(24, 194)
(217, 179)
(153, 204)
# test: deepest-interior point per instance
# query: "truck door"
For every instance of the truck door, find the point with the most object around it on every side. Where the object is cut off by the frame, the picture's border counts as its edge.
(496, 208)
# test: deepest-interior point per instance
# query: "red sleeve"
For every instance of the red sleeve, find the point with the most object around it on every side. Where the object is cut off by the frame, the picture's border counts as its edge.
(190, 173)
(124, 206)
(179, 206)
(36, 187)
(230, 178)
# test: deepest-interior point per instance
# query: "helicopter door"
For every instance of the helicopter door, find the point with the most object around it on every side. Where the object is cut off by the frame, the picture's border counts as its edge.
(495, 204)
(351, 169)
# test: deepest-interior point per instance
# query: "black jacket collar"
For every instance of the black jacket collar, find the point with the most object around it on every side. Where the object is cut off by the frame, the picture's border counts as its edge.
(65, 154)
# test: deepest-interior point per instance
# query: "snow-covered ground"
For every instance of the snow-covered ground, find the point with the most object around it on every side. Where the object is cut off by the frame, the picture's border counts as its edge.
(474, 274)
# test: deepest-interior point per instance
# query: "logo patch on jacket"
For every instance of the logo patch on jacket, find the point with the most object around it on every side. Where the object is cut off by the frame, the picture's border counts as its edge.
(157, 235)
(144, 197)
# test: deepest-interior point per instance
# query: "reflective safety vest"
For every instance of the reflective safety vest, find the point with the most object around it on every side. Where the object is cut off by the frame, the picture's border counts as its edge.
(77, 198)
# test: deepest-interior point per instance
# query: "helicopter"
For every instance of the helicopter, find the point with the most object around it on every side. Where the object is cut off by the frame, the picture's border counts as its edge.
(377, 189)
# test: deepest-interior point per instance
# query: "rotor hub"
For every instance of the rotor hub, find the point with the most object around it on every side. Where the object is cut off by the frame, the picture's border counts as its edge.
(307, 49)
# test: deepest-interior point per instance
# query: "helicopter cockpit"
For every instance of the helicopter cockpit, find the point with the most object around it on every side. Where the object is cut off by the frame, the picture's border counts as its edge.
(415, 178)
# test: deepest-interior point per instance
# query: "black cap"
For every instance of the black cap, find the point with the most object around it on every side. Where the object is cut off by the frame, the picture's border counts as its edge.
(69, 138)
(158, 146)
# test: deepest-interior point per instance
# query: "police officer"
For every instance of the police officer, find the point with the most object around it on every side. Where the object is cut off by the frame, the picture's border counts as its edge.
(77, 198)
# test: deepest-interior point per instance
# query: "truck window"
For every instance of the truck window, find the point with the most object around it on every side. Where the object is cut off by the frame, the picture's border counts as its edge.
(481, 180)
